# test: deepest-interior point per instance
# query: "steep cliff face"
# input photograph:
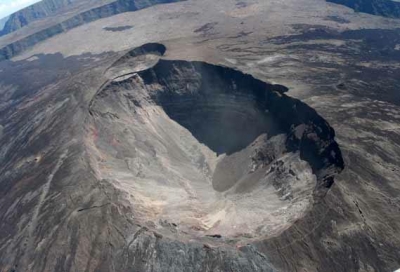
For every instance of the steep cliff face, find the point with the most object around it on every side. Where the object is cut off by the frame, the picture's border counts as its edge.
(88, 16)
(32, 13)
(3, 22)
(308, 132)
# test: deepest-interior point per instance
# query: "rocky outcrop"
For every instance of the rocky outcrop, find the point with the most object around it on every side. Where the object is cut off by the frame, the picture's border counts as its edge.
(107, 10)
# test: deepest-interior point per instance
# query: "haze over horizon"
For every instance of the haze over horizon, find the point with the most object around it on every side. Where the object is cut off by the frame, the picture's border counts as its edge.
(8, 7)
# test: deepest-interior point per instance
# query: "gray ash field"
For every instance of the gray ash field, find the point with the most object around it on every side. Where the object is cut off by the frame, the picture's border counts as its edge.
(200, 135)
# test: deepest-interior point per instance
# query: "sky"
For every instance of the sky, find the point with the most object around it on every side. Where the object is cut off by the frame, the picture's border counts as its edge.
(8, 7)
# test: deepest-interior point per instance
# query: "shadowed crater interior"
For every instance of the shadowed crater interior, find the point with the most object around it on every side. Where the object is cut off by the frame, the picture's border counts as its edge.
(221, 108)
(204, 151)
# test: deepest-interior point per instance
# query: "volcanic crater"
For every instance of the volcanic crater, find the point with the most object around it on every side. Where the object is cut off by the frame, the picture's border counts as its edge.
(201, 151)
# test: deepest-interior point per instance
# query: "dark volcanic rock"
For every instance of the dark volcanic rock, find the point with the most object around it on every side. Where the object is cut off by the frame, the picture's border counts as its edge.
(386, 8)
(119, 28)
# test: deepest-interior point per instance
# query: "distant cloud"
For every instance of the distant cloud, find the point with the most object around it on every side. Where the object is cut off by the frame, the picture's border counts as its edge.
(8, 7)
